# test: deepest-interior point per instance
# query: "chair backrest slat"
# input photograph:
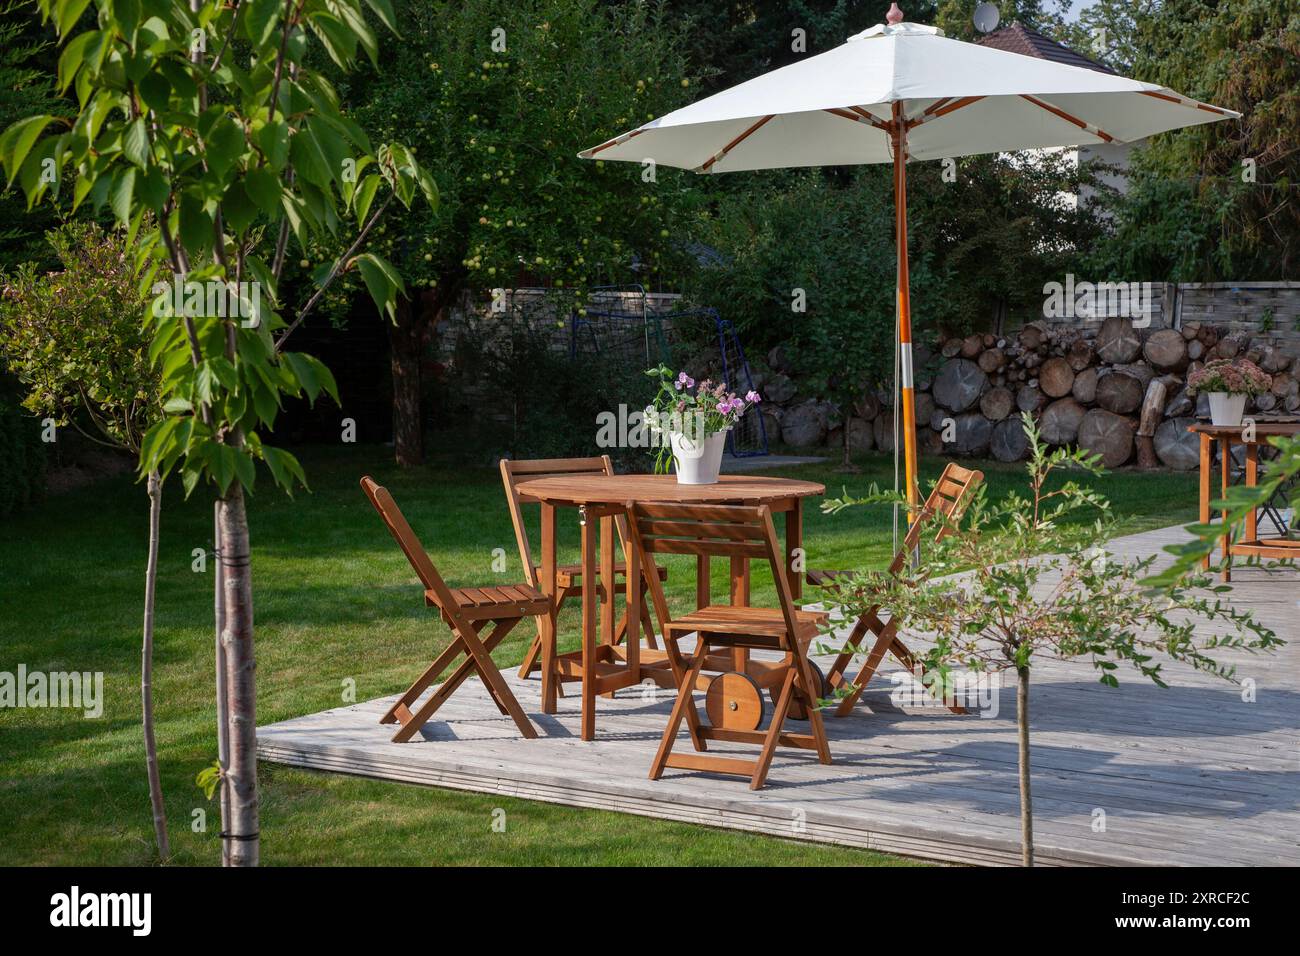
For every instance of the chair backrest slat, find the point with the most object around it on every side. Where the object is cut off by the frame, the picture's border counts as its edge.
(713, 549)
(401, 531)
(738, 531)
(705, 529)
(951, 494)
(514, 471)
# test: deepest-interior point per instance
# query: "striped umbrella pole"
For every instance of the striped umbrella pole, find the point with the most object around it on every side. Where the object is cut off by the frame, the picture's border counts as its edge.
(898, 133)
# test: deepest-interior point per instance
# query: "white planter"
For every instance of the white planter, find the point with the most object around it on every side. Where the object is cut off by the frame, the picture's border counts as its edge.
(1226, 408)
(698, 461)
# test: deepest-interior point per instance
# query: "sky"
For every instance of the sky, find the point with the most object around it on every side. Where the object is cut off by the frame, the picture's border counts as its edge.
(1078, 7)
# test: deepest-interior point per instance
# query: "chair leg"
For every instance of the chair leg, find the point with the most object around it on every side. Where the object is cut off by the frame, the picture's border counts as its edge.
(685, 701)
(477, 659)
(423, 682)
(647, 622)
(534, 656)
(908, 660)
(416, 720)
(859, 683)
(806, 679)
(835, 676)
(680, 671)
(773, 731)
(492, 676)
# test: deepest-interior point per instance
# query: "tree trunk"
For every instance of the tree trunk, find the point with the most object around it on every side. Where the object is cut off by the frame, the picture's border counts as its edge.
(405, 341)
(846, 463)
(223, 712)
(146, 671)
(1022, 739)
(241, 832)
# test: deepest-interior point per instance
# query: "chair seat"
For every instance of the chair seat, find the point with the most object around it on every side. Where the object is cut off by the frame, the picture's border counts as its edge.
(765, 623)
(497, 601)
(566, 575)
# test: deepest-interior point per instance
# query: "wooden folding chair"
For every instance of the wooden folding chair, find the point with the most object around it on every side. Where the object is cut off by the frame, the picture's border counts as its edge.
(951, 494)
(568, 577)
(466, 611)
(732, 531)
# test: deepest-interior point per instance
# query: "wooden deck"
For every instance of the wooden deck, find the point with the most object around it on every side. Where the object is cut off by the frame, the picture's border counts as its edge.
(1191, 775)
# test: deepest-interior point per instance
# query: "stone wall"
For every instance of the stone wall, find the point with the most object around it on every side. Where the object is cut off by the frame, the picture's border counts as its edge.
(1114, 386)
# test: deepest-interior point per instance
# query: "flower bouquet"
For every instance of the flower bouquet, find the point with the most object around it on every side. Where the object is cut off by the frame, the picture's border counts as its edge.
(1227, 383)
(690, 422)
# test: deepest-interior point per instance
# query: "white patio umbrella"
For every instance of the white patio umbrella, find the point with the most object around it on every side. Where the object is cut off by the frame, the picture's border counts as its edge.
(898, 92)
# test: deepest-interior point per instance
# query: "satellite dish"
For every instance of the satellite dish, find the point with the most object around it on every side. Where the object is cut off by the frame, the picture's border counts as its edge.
(986, 17)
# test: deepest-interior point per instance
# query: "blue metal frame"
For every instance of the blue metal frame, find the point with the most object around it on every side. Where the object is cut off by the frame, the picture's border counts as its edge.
(726, 330)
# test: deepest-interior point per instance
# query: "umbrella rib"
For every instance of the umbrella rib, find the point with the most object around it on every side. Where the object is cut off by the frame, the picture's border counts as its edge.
(1057, 111)
(617, 140)
(708, 163)
(1171, 97)
(856, 114)
(870, 118)
(942, 108)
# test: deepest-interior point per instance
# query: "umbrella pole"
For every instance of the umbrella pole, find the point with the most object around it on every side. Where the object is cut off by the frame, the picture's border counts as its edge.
(898, 133)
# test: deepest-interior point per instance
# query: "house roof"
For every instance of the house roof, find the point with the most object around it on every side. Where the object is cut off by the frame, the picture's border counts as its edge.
(1018, 38)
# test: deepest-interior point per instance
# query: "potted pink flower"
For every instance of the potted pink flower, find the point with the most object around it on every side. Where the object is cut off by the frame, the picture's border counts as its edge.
(1228, 383)
(690, 422)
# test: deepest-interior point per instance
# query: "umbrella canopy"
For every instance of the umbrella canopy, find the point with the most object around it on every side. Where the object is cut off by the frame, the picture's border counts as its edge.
(898, 92)
(959, 99)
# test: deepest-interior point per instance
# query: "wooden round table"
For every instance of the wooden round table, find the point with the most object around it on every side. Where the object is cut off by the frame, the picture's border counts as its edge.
(605, 498)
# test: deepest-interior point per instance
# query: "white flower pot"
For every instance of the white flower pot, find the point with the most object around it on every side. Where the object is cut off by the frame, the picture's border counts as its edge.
(698, 461)
(1226, 408)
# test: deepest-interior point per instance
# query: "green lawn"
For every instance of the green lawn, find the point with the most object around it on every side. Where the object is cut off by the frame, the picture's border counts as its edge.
(335, 600)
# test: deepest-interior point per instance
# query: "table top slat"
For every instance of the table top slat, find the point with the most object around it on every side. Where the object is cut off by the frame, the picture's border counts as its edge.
(615, 489)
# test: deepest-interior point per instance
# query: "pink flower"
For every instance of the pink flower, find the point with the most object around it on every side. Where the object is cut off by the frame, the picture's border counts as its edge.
(753, 397)
(684, 381)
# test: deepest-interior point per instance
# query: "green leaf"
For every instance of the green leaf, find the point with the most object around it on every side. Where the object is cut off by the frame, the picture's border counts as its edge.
(127, 14)
(152, 188)
(69, 13)
(309, 159)
(135, 143)
(303, 372)
(379, 279)
(209, 777)
(364, 196)
(155, 91)
(244, 469)
(196, 226)
(17, 141)
(224, 145)
(339, 41)
(237, 208)
(260, 20)
(120, 194)
(384, 10)
(263, 187)
(73, 54)
(284, 467)
(273, 140)
(221, 463)
(266, 404)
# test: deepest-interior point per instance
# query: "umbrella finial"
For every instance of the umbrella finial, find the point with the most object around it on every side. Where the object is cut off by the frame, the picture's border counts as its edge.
(894, 15)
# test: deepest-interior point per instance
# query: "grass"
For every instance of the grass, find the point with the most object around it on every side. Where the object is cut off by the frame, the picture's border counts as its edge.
(335, 603)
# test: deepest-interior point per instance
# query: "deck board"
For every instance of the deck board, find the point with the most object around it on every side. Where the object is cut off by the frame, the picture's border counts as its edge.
(1189, 775)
